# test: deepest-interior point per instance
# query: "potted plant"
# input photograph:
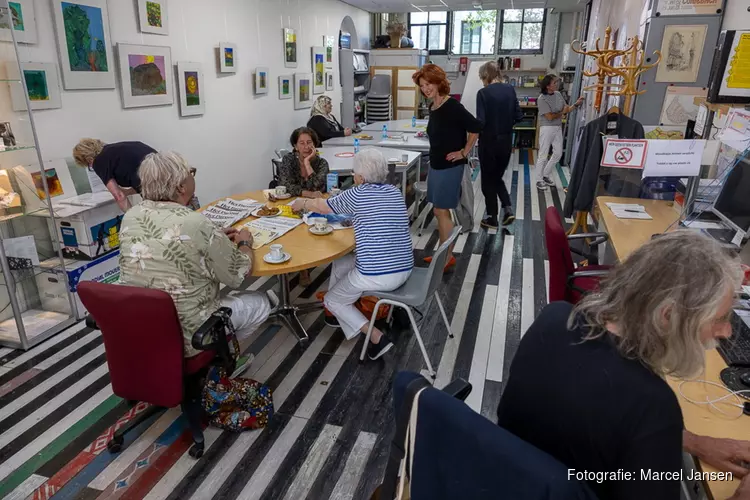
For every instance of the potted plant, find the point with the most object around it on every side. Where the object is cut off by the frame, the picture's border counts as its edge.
(396, 30)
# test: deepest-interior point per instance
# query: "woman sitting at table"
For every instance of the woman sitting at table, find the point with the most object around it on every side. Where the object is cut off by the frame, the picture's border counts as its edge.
(384, 258)
(302, 171)
(324, 123)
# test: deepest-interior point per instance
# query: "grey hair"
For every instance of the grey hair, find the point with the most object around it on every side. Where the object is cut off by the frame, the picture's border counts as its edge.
(371, 165)
(661, 298)
(162, 174)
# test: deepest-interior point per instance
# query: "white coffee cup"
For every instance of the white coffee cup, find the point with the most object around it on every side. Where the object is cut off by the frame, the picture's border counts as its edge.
(280, 190)
(404, 158)
(320, 224)
(277, 252)
(334, 191)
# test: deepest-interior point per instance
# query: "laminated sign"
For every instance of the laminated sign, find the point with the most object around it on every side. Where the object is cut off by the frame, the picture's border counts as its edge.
(624, 153)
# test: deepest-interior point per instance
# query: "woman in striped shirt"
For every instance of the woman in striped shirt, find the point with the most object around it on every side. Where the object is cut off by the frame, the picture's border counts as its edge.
(384, 257)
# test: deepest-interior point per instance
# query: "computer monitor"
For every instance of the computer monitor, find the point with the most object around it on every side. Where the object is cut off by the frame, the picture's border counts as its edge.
(733, 203)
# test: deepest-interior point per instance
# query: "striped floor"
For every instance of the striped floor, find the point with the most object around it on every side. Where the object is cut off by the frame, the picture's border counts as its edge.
(330, 435)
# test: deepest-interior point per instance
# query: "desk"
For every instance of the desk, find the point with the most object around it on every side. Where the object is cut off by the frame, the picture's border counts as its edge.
(307, 251)
(396, 126)
(345, 166)
(412, 142)
(627, 235)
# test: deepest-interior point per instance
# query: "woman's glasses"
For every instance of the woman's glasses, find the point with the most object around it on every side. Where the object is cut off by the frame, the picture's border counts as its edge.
(193, 170)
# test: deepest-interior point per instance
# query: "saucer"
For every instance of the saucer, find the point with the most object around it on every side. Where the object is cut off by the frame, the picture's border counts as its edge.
(328, 230)
(269, 260)
(283, 196)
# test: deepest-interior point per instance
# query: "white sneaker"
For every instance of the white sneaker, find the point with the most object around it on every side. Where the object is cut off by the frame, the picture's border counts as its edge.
(541, 185)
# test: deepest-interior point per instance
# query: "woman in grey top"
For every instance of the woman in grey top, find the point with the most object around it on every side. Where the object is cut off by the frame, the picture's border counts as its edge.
(552, 108)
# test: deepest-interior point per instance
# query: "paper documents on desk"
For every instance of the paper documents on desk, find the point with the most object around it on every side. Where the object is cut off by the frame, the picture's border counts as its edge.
(89, 199)
(629, 211)
(268, 229)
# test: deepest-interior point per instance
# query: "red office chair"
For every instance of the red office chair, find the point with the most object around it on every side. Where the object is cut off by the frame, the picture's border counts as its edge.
(144, 347)
(566, 281)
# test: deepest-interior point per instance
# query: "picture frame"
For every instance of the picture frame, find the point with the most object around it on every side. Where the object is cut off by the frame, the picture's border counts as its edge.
(318, 70)
(227, 57)
(329, 42)
(329, 80)
(261, 80)
(682, 51)
(146, 75)
(153, 16)
(43, 84)
(23, 19)
(303, 90)
(286, 87)
(290, 47)
(190, 81)
(97, 70)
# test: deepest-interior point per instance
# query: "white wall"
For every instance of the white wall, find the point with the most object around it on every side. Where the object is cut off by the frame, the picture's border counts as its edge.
(231, 145)
(736, 15)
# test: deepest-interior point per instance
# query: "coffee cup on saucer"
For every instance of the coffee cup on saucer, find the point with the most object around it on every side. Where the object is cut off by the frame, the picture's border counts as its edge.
(277, 252)
(280, 191)
(320, 224)
(334, 191)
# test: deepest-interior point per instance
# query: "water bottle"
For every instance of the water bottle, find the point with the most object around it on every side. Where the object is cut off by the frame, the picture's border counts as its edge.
(384, 135)
(413, 122)
(356, 145)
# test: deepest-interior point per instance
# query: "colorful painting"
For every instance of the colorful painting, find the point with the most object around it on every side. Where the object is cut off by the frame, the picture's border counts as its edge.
(192, 90)
(329, 81)
(192, 98)
(42, 83)
(229, 57)
(147, 75)
(285, 87)
(290, 48)
(304, 90)
(303, 83)
(318, 60)
(260, 79)
(319, 71)
(53, 183)
(84, 36)
(328, 43)
(153, 14)
(36, 83)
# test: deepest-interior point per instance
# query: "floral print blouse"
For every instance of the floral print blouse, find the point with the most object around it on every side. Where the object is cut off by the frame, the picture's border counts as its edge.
(290, 175)
(167, 246)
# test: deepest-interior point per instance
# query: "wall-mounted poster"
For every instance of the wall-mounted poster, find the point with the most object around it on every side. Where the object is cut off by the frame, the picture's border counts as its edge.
(42, 83)
(679, 105)
(82, 29)
(20, 15)
(227, 58)
(303, 87)
(688, 7)
(260, 79)
(290, 48)
(318, 67)
(153, 16)
(286, 86)
(329, 81)
(328, 42)
(145, 75)
(681, 51)
(192, 93)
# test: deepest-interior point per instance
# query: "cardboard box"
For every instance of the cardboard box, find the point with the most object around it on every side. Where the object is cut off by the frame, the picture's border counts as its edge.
(87, 233)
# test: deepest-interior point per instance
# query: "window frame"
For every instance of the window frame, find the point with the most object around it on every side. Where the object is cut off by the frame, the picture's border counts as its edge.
(464, 28)
(448, 21)
(522, 22)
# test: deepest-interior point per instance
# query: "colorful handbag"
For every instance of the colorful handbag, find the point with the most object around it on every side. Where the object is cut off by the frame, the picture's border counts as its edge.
(236, 404)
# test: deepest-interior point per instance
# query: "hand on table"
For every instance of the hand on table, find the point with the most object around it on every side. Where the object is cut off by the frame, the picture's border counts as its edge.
(347, 132)
(727, 455)
(454, 156)
(298, 204)
(243, 235)
(230, 231)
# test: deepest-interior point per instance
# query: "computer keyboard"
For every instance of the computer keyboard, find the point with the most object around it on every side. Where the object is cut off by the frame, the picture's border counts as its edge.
(736, 349)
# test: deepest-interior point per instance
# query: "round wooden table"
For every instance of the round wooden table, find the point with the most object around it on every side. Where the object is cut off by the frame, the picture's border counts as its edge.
(307, 251)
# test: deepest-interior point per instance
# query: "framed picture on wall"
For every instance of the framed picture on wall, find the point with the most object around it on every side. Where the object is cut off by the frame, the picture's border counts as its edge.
(153, 16)
(260, 78)
(681, 52)
(42, 83)
(318, 67)
(192, 92)
(328, 42)
(329, 80)
(84, 64)
(286, 87)
(227, 58)
(290, 48)
(145, 75)
(303, 90)
(20, 15)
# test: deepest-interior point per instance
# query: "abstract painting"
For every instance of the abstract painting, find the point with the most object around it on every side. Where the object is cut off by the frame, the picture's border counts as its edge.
(227, 58)
(20, 15)
(192, 91)
(42, 83)
(290, 48)
(329, 81)
(285, 87)
(328, 43)
(83, 43)
(318, 60)
(681, 52)
(303, 86)
(53, 183)
(145, 75)
(152, 15)
(261, 80)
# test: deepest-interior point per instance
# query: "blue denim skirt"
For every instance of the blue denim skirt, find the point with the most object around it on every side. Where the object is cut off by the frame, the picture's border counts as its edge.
(444, 186)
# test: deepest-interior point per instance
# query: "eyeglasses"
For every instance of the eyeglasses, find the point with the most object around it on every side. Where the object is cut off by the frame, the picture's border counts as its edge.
(193, 170)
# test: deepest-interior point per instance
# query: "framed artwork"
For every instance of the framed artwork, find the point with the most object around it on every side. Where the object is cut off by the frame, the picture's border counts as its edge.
(20, 15)
(153, 16)
(303, 87)
(42, 83)
(82, 30)
(260, 78)
(145, 75)
(192, 92)
(285, 87)
(227, 58)
(318, 62)
(290, 48)
(329, 80)
(681, 52)
(328, 43)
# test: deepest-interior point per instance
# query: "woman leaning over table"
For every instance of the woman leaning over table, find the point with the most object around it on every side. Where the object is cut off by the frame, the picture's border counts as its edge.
(302, 171)
(452, 131)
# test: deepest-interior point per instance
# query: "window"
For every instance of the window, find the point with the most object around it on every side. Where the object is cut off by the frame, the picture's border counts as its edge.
(474, 32)
(522, 31)
(429, 30)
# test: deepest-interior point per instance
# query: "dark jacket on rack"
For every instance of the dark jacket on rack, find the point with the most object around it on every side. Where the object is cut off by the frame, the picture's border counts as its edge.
(325, 129)
(584, 177)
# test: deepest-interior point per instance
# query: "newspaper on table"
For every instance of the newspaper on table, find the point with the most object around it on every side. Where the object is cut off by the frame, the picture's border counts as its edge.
(228, 212)
(267, 229)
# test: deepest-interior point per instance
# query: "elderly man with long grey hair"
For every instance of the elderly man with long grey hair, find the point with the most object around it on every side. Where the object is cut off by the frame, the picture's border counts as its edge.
(587, 384)
(166, 246)
(384, 258)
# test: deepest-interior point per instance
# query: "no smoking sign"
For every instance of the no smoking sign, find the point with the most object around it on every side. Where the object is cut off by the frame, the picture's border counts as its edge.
(624, 153)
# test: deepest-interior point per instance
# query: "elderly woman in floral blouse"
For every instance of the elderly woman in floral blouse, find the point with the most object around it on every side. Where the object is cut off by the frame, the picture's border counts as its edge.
(166, 246)
(302, 171)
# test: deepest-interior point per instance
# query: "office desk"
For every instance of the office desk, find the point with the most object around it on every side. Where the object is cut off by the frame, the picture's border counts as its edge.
(627, 235)
(412, 142)
(396, 126)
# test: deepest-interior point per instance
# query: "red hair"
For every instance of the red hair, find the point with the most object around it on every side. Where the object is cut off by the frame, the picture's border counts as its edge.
(435, 75)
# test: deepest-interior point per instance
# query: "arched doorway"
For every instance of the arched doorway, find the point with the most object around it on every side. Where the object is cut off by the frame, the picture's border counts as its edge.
(347, 26)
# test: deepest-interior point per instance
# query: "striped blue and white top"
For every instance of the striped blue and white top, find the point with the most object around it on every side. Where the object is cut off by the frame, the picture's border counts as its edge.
(381, 227)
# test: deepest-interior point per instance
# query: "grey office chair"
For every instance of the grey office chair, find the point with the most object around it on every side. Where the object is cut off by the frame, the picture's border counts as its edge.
(423, 283)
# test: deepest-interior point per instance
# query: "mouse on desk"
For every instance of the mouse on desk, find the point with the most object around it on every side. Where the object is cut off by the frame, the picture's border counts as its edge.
(745, 378)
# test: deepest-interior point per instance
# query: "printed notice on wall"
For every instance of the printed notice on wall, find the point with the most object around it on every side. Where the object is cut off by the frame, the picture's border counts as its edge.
(625, 153)
(688, 7)
(673, 158)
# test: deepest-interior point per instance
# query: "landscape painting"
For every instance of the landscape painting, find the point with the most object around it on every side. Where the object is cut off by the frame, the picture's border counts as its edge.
(285, 87)
(192, 91)
(261, 80)
(290, 48)
(42, 83)
(303, 90)
(36, 83)
(16, 13)
(227, 58)
(152, 15)
(146, 75)
(328, 43)
(20, 16)
(318, 59)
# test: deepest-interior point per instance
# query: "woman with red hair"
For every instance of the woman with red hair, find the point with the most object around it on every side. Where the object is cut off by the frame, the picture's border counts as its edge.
(452, 131)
